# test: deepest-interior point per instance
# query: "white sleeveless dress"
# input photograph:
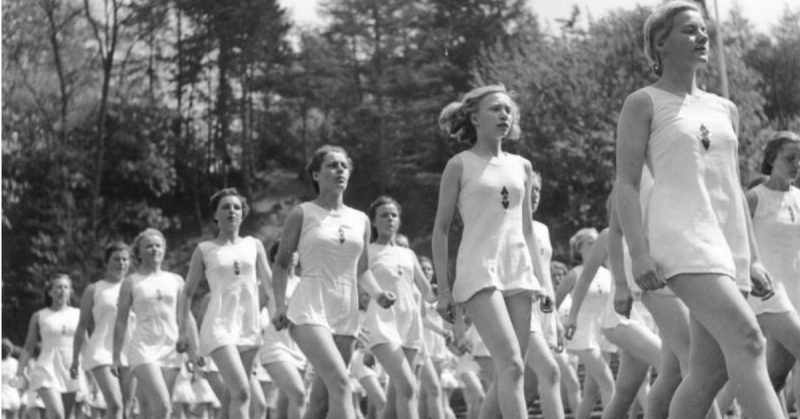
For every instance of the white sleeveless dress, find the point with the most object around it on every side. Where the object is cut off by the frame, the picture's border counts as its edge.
(401, 324)
(434, 344)
(232, 315)
(10, 397)
(331, 243)
(57, 329)
(776, 223)
(493, 252)
(590, 317)
(278, 346)
(695, 222)
(155, 299)
(541, 321)
(98, 348)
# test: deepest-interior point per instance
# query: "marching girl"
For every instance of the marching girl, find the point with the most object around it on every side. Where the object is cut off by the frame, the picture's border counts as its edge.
(702, 249)
(233, 266)
(497, 257)
(152, 294)
(395, 334)
(322, 315)
(97, 318)
(54, 326)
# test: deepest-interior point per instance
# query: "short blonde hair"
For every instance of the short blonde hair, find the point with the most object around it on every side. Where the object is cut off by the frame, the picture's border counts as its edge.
(578, 239)
(146, 233)
(658, 26)
(455, 117)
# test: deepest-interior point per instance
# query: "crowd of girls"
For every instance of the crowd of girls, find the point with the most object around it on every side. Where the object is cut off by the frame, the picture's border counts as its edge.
(694, 280)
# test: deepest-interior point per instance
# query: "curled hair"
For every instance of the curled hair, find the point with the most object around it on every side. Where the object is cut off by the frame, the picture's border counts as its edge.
(456, 118)
(315, 163)
(578, 239)
(774, 147)
(658, 26)
(222, 193)
(114, 247)
(48, 286)
(146, 233)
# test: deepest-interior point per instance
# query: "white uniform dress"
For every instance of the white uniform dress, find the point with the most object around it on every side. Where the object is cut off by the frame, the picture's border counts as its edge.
(278, 346)
(435, 345)
(400, 324)
(493, 251)
(695, 220)
(232, 315)
(10, 394)
(98, 349)
(776, 223)
(590, 316)
(57, 329)
(331, 243)
(155, 298)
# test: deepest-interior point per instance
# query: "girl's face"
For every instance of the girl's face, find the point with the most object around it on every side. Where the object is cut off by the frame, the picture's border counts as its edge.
(558, 275)
(151, 250)
(118, 264)
(585, 247)
(427, 269)
(687, 42)
(334, 173)
(536, 193)
(494, 118)
(60, 291)
(387, 220)
(230, 211)
(787, 162)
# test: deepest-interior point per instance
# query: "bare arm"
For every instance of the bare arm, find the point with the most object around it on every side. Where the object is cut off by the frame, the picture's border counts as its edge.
(530, 234)
(87, 303)
(367, 281)
(449, 189)
(633, 133)
(290, 239)
(623, 301)
(566, 285)
(264, 273)
(193, 278)
(596, 257)
(121, 324)
(30, 342)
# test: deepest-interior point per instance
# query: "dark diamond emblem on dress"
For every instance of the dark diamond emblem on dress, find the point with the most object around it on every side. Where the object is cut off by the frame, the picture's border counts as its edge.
(705, 137)
(236, 267)
(159, 296)
(341, 235)
(504, 194)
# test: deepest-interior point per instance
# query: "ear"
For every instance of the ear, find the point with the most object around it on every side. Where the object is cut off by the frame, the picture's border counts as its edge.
(473, 117)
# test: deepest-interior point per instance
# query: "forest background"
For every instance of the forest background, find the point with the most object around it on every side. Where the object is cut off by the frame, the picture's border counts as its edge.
(123, 114)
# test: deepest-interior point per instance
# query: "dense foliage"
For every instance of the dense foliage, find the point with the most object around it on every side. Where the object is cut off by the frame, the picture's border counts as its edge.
(123, 114)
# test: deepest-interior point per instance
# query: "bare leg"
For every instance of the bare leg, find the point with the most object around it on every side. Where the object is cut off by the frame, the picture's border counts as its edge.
(548, 376)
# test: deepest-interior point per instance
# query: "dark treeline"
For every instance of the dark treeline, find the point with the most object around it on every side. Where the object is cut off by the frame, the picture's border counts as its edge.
(122, 114)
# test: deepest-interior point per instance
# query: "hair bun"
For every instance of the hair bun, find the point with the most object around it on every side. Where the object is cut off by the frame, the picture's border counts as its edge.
(452, 119)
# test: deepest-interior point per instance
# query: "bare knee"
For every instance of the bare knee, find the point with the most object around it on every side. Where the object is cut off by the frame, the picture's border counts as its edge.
(511, 368)
(433, 389)
(239, 395)
(549, 373)
(338, 385)
(406, 389)
(160, 409)
(751, 341)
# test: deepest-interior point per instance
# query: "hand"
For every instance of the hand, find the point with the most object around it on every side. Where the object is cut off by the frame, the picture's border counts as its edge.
(279, 319)
(445, 307)
(646, 273)
(623, 301)
(385, 299)
(448, 336)
(116, 366)
(569, 328)
(762, 283)
(73, 370)
(546, 303)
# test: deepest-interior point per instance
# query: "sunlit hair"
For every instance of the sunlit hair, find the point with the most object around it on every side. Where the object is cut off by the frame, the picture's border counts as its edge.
(222, 193)
(536, 176)
(658, 26)
(556, 266)
(456, 118)
(774, 147)
(315, 163)
(48, 286)
(146, 233)
(114, 247)
(583, 235)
